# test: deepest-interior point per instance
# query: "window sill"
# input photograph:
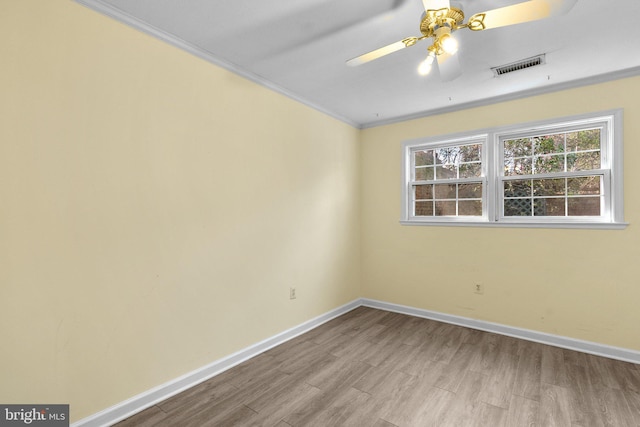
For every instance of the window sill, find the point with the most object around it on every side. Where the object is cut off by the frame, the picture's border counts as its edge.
(578, 225)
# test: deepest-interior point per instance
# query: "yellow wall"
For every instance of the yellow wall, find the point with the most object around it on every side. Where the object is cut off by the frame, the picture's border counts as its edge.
(583, 284)
(154, 210)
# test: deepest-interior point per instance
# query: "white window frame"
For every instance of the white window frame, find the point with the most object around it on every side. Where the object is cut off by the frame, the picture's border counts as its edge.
(464, 140)
(610, 123)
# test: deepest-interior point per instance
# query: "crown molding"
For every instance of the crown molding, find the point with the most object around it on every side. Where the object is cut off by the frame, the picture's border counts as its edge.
(111, 11)
(121, 16)
(587, 81)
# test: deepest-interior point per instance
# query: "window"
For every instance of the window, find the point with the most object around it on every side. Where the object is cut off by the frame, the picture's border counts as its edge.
(447, 180)
(566, 173)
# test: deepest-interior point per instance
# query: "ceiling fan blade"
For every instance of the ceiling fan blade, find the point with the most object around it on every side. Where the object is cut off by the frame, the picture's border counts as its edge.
(435, 4)
(386, 50)
(531, 10)
(449, 66)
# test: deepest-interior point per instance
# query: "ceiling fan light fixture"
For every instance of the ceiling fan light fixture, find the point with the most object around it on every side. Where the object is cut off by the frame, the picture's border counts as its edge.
(449, 44)
(425, 66)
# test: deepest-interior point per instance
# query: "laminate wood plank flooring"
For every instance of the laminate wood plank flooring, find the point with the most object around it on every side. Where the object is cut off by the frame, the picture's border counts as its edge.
(375, 368)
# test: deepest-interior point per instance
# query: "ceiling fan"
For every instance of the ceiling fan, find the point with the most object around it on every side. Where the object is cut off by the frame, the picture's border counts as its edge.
(441, 19)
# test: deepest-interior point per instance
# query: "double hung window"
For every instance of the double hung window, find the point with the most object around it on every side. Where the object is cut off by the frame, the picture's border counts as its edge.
(564, 173)
(447, 180)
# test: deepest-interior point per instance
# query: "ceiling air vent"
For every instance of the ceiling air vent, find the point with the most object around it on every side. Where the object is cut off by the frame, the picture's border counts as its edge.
(519, 65)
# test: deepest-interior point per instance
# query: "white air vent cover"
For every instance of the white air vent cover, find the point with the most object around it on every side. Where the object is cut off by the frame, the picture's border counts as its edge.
(519, 65)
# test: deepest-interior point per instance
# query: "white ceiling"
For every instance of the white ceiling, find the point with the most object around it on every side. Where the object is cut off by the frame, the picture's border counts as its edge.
(299, 48)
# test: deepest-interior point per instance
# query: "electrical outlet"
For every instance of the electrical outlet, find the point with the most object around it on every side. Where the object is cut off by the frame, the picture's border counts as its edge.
(478, 288)
(292, 293)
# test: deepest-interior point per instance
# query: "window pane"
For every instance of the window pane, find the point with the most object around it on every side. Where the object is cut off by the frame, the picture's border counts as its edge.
(549, 206)
(424, 209)
(445, 208)
(423, 192)
(584, 206)
(470, 153)
(549, 187)
(423, 158)
(424, 174)
(445, 191)
(517, 207)
(584, 185)
(470, 207)
(583, 161)
(583, 140)
(548, 144)
(446, 172)
(517, 188)
(470, 190)
(447, 155)
(521, 166)
(470, 170)
(517, 148)
(550, 163)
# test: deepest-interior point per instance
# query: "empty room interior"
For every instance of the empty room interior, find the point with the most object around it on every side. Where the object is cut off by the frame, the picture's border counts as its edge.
(189, 210)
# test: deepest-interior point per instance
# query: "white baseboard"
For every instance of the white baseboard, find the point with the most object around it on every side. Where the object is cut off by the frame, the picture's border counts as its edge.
(149, 398)
(164, 391)
(611, 352)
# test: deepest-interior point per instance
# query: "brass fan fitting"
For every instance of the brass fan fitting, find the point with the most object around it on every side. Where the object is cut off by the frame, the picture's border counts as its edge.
(433, 19)
(476, 22)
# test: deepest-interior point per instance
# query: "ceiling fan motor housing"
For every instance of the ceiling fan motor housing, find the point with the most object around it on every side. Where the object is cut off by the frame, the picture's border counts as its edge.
(433, 19)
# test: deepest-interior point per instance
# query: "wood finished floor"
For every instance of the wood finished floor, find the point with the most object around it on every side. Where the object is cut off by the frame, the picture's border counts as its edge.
(375, 368)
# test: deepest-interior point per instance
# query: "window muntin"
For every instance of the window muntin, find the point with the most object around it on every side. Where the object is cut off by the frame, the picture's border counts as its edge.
(558, 197)
(552, 153)
(447, 181)
(555, 174)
